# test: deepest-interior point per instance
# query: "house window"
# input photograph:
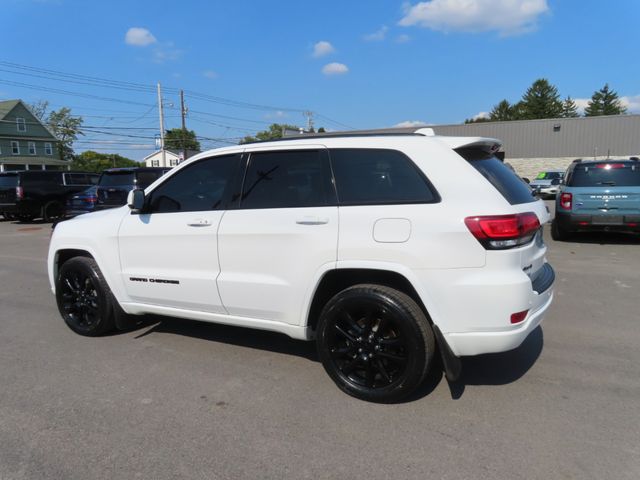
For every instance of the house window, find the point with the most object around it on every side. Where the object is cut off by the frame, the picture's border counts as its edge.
(21, 124)
(48, 149)
(173, 163)
(155, 163)
(32, 148)
(15, 148)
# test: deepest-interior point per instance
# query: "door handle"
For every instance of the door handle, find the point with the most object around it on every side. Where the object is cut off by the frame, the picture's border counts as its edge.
(311, 220)
(200, 222)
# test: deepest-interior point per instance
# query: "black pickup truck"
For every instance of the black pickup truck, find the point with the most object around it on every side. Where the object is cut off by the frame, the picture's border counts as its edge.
(29, 194)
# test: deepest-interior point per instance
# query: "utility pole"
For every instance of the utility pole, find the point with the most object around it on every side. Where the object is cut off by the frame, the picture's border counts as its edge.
(164, 155)
(309, 115)
(183, 113)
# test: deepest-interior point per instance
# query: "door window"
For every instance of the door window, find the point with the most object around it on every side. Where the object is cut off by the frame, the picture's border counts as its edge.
(195, 188)
(295, 178)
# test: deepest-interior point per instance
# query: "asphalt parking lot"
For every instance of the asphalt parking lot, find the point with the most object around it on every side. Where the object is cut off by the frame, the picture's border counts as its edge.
(180, 399)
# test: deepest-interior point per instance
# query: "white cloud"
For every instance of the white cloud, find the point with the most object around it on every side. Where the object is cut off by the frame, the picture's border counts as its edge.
(335, 69)
(139, 37)
(411, 123)
(378, 35)
(508, 17)
(166, 52)
(632, 103)
(322, 48)
(404, 38)
(279, 114)
(210, 74)
(581, 103)
(480, 115)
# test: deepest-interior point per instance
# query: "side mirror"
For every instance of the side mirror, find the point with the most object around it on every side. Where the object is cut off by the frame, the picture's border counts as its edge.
(135, 200)
(526, 180)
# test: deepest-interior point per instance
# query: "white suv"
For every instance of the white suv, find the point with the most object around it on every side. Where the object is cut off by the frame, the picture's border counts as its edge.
(383, 248)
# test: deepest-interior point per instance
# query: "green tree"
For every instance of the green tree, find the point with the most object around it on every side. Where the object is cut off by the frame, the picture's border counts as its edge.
(40, 109)
(178, 139)
(604, 102)
(503, 111)
(569, 108)
(91, 161)
(541, 100)
(275, 131)
(322, 130)
(66, 128)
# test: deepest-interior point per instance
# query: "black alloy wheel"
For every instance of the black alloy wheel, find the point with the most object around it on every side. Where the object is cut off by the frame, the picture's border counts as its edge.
(375, 342)
(83, 297)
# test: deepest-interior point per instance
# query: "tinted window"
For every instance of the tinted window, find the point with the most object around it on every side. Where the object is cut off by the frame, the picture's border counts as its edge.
(116, 179)
(40, 178)
(376, 176)
(77, 179)
(510, 185)
(8, 180)
(287, 179)
(195, 188)
(607, 174)
(146, 178)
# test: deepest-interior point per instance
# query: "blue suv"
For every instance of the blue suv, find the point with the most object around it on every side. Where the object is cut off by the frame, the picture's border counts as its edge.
(599, 195)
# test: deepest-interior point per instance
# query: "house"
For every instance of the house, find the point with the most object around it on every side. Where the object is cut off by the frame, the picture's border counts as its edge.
(171, 158)
(25, 142)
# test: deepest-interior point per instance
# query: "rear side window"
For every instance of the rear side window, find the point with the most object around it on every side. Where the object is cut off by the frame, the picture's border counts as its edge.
(37, 179)
(294, 178)
(116, 179)
(378, 176)
(511, 186)
(605, 174)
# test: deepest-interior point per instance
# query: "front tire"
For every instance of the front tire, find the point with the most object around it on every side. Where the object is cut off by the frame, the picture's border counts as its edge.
(375, 343)
(84, 298)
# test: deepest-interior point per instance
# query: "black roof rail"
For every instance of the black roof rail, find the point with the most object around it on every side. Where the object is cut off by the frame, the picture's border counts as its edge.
(577, 160)
(635, 159)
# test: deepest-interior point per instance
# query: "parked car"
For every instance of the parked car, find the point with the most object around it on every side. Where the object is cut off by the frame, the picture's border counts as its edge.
(116, 183)
(81, 202)
(385, 249)
(598, 196)
(547, 183)
(29, 194)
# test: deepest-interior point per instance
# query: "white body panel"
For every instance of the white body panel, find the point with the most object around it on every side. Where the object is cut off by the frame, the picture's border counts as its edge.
(260, 268)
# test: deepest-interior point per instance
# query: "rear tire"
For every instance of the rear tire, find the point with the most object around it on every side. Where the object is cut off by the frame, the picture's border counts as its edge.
(84, 299)
(52, 211)
(558, 233)
(375, 343)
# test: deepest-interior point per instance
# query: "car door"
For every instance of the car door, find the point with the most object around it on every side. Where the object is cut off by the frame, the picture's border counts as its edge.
(169, 252)
(280, 237)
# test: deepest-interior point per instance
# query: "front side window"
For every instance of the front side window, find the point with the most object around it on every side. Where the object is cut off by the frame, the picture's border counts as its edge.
(294, 178)
(196, 188)
(15, 148)
(48, 149)
(378, 176)
(32, 148)
(21, 124)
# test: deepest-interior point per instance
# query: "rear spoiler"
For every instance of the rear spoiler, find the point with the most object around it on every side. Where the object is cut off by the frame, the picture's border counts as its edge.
(489, 145)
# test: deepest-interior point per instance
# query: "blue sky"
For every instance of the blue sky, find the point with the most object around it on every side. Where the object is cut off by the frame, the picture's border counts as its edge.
(362, 64)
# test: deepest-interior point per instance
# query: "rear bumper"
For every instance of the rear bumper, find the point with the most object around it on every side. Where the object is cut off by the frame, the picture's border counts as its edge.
(578, 222)
(8, 207)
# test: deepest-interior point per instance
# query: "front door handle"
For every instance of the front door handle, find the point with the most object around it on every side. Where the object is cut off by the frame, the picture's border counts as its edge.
(311, 220)
(199, 222)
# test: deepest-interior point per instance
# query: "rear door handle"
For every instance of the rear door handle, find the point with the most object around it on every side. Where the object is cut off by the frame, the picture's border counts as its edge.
(199, 222)
(311, 220)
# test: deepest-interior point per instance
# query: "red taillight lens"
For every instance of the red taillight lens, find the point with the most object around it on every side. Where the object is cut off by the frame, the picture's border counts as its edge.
(503, 231)
(566, 199)
(609, 166)
(518, 317)
(90, 199)
(19, 193)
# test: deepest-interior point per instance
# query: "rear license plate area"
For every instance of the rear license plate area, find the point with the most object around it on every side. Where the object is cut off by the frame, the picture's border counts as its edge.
(607, 220)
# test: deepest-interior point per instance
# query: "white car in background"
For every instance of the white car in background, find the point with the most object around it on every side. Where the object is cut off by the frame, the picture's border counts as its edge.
(547, 183)
(383, 248)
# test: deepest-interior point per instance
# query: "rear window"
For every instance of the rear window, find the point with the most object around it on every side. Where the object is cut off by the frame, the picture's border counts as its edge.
(511, 186)
(8, 180)
(116, 179)
(146, 178)
(549, 175)
(607, 174)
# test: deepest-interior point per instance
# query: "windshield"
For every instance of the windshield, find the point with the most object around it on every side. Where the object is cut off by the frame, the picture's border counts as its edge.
(549, 175)
(8, 180)
(116, 179)
(606, 174)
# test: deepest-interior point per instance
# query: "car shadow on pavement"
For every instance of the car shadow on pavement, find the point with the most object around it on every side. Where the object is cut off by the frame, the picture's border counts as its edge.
(499, 368)
(243, 337)
(604, 238)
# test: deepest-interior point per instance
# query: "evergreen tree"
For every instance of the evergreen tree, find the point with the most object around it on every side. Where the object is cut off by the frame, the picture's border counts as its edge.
(604, 102)
(569, 108)
(503, 112)
(178, 139)
(541, 100)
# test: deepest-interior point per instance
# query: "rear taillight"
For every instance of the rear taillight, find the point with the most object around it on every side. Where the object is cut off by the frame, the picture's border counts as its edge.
(498, 232)
(19, 193)
(90, 200)
(519, 316)
(566, 199)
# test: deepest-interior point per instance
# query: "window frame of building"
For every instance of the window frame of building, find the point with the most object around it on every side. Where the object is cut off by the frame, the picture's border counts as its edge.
(29, 148)
(48, 148)
(21, 122)
(155, 163)
(15, 147)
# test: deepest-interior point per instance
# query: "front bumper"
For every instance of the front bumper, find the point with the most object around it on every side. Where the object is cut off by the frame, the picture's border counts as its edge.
(578, 222)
